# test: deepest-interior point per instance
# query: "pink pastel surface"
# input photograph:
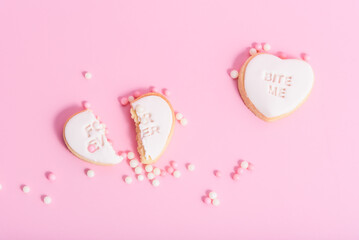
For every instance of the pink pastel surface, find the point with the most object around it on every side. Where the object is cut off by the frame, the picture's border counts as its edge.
(305, 182)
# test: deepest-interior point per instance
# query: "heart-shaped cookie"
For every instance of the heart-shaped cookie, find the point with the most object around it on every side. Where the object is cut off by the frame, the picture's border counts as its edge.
(154, 119)
(273, 88)
(85, 137)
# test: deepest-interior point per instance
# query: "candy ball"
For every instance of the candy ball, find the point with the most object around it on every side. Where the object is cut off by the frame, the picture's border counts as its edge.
(166, 92)
(157, 171)
(191, 167)
(150, 175)
(128, 180)
(88, 75)
(137, 94)
(215, 202)
(177, 174)
(124, 101)
(138, 170)
(51, 176)
(212, 195)
(207, 200)
(217, 173)
(90, 173)
(149, 168)
(244, 164)
(179, 116)
(234, 74)
(130, 155)
(235, 176)
(47, 200)
(130, 98)
(26, 189)
(252, 51)
(140, 177)
(266, 47)
(134, 163)
(184, 121)
(155, 182)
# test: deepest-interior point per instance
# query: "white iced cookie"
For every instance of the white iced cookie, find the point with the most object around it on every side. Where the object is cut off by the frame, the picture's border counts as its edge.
(85, 137)
(154, 118)
(272, 88)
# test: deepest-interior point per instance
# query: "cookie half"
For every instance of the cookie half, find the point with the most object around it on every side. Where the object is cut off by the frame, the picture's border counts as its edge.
(85, 137)
(273, 88)
(154, 118)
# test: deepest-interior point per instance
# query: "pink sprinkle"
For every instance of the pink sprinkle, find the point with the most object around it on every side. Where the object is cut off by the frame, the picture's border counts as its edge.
(174, 164)
(207, 200)
(170, 169)
(305, 57)
(163, 173)
(137, 94)
(124, 101)
(91, 148)
(258, 46)
(86, 105)
(235, 177)
(240, 170)
(166, 92)
(51, 177)
(217, 173)
(153, 89)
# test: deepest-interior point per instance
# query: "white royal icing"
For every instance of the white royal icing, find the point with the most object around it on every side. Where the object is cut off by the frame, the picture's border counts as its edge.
(277, 86)
(85, 135)
(155, 118)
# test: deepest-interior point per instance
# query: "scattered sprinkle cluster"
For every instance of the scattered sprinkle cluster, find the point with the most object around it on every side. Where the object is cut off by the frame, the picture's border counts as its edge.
(239, 170)
(212, 198)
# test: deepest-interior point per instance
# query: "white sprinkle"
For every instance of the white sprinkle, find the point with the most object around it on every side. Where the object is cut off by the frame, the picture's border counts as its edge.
(140, 177)
(179, 116)
(212, 195)
(47, 200)
(128, 180)
(244, 164)
(130, 155)
(150, 175)
(177, 174)
(134, 163)
(155, 182)
(157, 171)
(252, 51)
(215, 202)
(138, 170)
(26, 189)
(148, 168)
(184, 121)
(234, 74)
(266, 47)
(131, 98)
(0, 186)
(191, 167)
(88, 75)
(90, 173)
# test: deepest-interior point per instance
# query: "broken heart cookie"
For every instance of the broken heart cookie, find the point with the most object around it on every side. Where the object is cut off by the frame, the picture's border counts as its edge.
(271, 87)
(85, 137)
(154, 119)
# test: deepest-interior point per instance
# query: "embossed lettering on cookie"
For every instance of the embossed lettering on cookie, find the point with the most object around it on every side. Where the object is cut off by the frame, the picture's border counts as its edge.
(273, 88)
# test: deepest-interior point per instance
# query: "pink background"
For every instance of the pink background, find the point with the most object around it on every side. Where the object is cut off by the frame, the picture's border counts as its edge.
(305, 185)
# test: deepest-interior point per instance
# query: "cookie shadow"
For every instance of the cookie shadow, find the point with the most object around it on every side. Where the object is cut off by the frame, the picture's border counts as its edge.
(61, 118)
